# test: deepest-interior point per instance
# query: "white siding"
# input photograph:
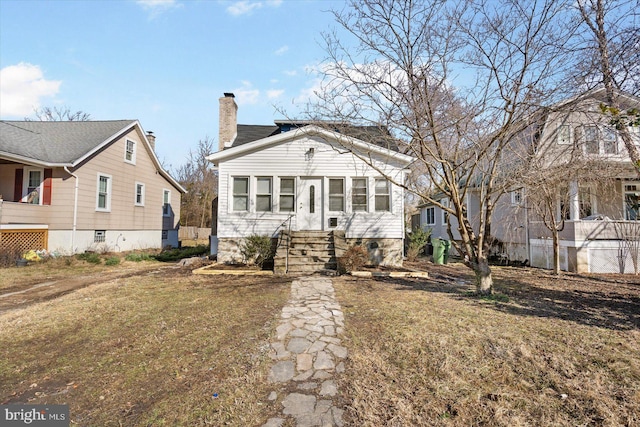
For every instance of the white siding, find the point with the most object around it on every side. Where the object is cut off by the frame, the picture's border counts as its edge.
(288, 160)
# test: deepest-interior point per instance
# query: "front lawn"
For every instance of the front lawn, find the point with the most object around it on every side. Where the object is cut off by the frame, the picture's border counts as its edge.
(163, 348)
(560, 352)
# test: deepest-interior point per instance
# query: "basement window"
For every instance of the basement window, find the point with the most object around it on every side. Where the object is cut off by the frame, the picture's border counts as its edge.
(99, 236)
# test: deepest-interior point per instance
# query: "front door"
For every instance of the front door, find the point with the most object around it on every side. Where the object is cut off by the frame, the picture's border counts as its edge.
(310, 204)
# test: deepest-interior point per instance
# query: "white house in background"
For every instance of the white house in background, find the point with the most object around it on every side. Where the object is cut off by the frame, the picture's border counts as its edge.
(305, 178)
(590, 241)
(79, 185)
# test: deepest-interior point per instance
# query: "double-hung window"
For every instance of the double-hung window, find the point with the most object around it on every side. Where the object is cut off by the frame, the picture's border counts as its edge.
(564, 135)
(241, 194)
(103, 196)
(166, 203)
(263, 194)
(591, 145)
(130, 151)
(430, 215)
(287, 194)
(609, 141)
(382, 195)
(336, 194)
(139, 194)
(359, 194)
(33, 184)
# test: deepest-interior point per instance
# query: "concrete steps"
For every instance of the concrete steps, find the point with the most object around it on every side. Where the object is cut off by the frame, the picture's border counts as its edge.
(308, 252)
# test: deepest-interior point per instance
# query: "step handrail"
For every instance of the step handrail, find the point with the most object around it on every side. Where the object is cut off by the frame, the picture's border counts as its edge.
(286, 259)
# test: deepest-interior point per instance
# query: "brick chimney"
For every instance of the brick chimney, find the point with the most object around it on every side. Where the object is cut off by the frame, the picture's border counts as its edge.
(228, 127)
(152, 140)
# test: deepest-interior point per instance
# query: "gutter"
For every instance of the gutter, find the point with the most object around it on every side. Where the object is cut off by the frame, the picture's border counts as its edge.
(75, 211)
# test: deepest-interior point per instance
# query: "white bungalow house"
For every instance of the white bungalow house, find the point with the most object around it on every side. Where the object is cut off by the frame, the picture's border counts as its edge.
(311, 184)
(592, 240)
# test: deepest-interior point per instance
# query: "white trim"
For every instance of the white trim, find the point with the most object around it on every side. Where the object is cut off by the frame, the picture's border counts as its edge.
(131, 161)
(143, 194)
(25, 185)
(168, 202)
(433, 215)
(309, 130)
(107, 207)
(24, 226)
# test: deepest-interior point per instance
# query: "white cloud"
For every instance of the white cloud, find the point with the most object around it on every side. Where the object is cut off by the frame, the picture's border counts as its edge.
(156, 7)
(244, 7)
(282, 50)
(291, 73)
(21, 88)
(274, 93)
(247, 95)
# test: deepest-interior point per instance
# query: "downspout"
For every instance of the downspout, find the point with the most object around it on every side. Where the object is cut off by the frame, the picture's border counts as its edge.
(75, 211)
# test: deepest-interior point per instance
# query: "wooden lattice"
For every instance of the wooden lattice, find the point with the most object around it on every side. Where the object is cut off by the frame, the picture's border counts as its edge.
(24, 240)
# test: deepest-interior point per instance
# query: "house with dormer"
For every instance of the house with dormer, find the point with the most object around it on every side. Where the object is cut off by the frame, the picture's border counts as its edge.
(593, 210)
(73, 186)
(307, 185)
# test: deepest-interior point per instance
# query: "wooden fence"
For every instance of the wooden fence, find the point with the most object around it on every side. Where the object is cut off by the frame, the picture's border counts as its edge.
(194, 233)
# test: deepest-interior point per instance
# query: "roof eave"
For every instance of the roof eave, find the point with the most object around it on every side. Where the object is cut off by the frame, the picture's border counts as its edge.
(307, 130)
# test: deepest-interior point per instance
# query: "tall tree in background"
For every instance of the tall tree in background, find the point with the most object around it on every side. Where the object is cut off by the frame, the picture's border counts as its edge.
(59, 114)
(406, 65)
(200, 180)
(611, 38)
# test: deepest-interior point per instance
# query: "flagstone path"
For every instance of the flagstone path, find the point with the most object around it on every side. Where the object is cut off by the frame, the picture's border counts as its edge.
(307, 354)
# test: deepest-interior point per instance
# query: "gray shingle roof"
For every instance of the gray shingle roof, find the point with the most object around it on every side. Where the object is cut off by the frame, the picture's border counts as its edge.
(56, 142)
(371, 134)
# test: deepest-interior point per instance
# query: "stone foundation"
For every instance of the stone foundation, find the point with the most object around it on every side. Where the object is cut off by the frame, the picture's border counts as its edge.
(384, 252)
(229, 251)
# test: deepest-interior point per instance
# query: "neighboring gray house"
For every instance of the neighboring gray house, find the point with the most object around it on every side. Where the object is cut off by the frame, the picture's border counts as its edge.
(590, 241)
(80, 185)
(310, 184)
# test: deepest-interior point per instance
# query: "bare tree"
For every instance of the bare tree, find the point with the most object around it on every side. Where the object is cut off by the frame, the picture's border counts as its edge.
(457, 82)
(59, 114)
(200, 180)
(614, 47)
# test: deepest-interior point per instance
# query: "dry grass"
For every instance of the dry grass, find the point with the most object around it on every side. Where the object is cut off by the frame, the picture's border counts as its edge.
(561, 352)
(147, 350)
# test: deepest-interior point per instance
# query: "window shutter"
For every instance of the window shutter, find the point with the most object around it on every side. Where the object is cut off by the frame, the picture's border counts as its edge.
(46, 187)
(17, 186)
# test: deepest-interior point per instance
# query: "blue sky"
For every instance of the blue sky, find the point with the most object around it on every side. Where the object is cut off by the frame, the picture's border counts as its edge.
(163, 62)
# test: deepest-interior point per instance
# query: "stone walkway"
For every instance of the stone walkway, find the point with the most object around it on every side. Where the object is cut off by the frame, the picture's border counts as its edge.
(307, 354)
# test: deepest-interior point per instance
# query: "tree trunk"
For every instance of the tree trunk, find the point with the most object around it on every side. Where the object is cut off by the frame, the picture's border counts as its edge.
(556, 251)
(484, 281)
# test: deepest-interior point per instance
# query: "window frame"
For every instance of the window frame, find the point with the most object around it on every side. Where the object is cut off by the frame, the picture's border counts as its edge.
(336, 196)
(166, 202)
(355, 194)
(133, 151)
(560, 139)
(261, 196)
(291, 195)
(141, 186)
(38, 188)
(383, 196)
(430, 212)
(595, 143)
(635, 192)
(516, 198)
(108, 192)
(235, 195)
(445, 214)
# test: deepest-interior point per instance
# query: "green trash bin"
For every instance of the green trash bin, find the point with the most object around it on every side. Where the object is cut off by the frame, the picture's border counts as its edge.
(440, 250)
(447, 246)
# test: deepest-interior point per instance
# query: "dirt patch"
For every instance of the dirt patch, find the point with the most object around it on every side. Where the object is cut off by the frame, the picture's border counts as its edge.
(39, 289)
